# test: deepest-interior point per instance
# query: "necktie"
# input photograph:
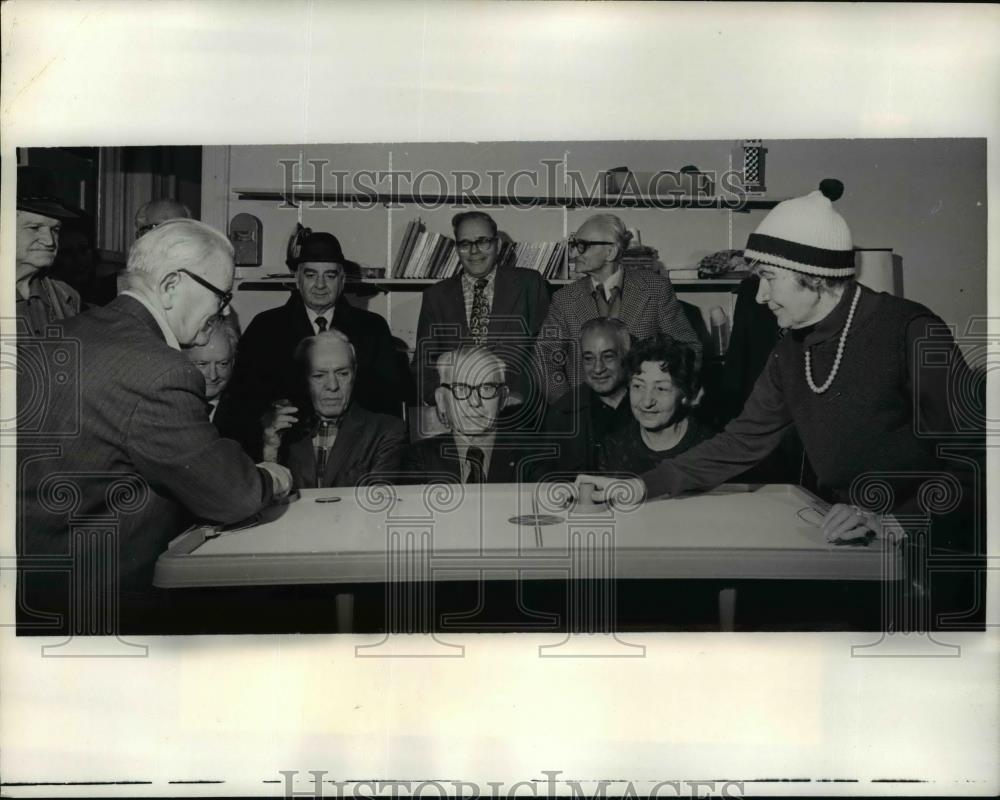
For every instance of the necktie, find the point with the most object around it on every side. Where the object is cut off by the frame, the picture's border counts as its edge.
(480, 320)
(606, 306)
(322, 451)
(321, 324)
(476, 459)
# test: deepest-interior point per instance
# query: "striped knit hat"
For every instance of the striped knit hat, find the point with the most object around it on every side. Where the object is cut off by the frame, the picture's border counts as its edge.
(806, 235)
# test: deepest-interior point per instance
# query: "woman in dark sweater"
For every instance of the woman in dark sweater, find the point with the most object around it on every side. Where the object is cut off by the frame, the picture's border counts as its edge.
(663, 388)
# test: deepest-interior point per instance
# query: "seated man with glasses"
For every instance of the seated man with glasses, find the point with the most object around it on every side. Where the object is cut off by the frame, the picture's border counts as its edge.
(485, 304)
(142, 454)
(642, 299)
(332, 440)
(470, 398)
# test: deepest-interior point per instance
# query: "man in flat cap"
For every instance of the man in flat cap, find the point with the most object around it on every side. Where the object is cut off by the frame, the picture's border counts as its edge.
(41, 299)
(265, 369)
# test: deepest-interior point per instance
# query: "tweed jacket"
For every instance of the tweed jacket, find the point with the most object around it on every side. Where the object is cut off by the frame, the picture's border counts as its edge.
(366, 443)
(648, 306)
(122, 438)
(520, 303)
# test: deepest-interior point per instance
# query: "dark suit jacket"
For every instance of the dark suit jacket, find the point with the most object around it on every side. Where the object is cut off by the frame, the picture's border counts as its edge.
(366, 443)
(520, 302)
(435, 460)
(122, 436)
(264, 370)
(569, 429)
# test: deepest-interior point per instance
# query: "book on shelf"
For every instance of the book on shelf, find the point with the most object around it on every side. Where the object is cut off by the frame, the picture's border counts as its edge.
(424, 254)
(405, 247)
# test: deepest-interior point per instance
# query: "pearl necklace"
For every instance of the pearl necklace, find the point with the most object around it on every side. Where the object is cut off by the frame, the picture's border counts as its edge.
(840, 351)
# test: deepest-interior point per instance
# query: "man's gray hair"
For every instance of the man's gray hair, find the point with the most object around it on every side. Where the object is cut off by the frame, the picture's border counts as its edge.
(616, 228)
(609, 326)
(448, 362)
(303, 351)
(229, 327)
(172, 245)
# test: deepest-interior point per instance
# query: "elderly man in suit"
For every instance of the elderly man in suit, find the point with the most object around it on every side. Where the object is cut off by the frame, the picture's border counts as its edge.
(214, 360)
(41, 299)
(471, 397)
(120, 434)
(265, 370)
(497, 307)
(336, 442)
(642, 299)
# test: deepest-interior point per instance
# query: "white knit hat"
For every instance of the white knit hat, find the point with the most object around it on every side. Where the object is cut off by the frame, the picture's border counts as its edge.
(806, 235)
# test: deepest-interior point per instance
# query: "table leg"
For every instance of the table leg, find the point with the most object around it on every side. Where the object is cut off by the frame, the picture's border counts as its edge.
(344, 602)
(727, 609)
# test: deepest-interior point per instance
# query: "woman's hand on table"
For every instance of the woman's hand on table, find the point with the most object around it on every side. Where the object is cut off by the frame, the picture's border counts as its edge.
(844, 523)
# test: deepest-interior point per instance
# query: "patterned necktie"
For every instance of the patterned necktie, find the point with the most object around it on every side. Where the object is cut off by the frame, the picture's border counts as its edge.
(606, 307)
(480, 321)
(321, 324)
(476, 459)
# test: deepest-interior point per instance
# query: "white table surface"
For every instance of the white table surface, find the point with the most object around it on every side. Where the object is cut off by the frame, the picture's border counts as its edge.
(455, 532)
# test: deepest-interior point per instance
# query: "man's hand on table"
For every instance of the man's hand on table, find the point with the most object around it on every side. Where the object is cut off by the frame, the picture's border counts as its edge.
(281, 478)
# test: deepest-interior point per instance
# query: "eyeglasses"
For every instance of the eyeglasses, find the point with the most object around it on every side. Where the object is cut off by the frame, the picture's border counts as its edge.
(463, 391)
(581, 245)
(482, 243)
(225, 298)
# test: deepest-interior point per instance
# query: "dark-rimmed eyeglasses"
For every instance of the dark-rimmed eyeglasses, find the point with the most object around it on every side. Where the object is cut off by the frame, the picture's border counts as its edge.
(225, 298)
(581, 245)
(482, 243)
(463, 391)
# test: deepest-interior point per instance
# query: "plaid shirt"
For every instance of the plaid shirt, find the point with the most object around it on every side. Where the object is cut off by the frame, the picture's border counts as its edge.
(648, 306)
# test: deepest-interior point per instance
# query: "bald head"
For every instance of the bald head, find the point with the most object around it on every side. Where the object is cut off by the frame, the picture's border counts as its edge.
(156, 212)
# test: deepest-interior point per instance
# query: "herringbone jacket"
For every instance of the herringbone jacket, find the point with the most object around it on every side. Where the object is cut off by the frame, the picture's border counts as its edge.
(648, 306)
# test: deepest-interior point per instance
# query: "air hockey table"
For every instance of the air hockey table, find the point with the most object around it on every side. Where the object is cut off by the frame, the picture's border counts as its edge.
(399, 535)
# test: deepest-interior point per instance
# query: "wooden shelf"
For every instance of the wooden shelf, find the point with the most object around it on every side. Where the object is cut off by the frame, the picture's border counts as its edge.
(418, 284)
(371, 199)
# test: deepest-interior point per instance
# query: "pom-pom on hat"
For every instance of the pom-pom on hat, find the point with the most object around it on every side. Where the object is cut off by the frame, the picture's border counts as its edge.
(806, 235)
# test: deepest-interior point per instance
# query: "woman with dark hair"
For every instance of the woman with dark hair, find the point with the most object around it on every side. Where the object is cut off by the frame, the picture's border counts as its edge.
(663, 387)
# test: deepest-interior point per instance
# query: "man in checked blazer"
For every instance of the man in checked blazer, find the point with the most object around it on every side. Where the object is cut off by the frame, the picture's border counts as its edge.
(116, 453)
(501, 308)
(333, 442)
(642, 299)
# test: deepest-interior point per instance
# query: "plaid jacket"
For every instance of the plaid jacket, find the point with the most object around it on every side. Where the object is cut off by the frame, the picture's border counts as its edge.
(648, 306)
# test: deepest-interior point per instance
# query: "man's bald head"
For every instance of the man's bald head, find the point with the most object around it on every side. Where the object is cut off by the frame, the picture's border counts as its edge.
(156, 212)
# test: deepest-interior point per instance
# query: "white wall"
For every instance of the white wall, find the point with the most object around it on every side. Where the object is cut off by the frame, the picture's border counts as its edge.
(924, 198)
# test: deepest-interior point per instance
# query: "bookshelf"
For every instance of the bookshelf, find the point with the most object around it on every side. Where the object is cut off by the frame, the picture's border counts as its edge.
(372, 222)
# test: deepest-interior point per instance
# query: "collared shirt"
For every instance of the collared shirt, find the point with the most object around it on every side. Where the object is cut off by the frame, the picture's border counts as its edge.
(327, 315)
(48, 300)
(469, 291)
(322, 441)
(484, 443)
(213, 406)
(158, 316)
(615, 281)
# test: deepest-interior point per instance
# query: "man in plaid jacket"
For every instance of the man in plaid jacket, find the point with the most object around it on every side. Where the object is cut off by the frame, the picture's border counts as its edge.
(642, 299)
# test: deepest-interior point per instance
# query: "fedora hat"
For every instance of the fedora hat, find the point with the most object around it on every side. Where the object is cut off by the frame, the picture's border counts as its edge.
(36, 193)
(321, 248)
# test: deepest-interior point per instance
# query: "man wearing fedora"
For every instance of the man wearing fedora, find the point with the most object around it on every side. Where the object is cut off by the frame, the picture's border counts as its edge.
(265, 370)
(41, 299)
